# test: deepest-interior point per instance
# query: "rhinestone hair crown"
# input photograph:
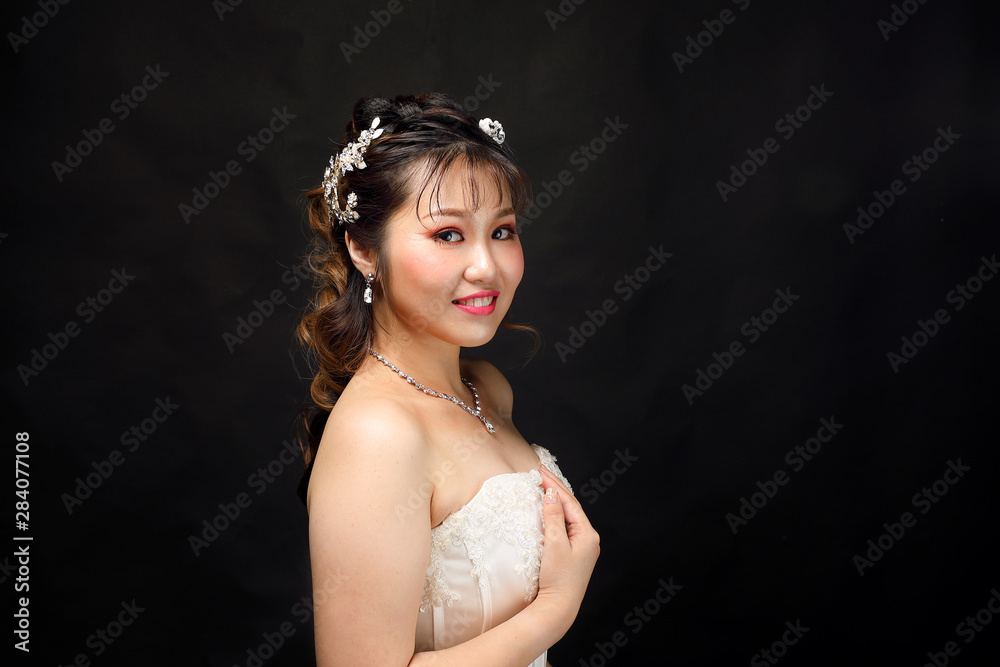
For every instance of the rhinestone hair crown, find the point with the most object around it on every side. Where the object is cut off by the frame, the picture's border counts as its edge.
(353, 157)
(349, 159)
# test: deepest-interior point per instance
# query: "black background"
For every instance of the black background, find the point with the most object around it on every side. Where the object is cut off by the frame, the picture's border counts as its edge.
(554, 84)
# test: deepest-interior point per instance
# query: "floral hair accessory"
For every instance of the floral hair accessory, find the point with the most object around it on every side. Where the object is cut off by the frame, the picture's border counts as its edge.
(351, 158)
(492, 128)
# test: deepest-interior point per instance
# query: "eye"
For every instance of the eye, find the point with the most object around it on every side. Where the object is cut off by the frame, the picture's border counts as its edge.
(504, 233)
(448, 236)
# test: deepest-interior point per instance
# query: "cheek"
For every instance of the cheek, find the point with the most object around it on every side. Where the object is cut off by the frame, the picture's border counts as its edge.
(416, 272)
(513, 266)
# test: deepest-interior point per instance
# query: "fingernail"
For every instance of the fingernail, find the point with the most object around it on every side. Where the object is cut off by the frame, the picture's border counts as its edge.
(551, 495)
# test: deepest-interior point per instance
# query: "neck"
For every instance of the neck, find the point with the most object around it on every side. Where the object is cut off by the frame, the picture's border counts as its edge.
(433, 363)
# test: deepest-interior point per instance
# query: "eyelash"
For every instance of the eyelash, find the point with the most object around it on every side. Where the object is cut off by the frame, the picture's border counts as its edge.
(511, 232)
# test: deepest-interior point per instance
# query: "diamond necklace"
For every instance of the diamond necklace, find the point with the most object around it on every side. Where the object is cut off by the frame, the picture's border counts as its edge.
(454, 399)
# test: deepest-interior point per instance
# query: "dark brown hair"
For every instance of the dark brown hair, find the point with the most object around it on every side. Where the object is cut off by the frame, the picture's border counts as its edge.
(423, 135)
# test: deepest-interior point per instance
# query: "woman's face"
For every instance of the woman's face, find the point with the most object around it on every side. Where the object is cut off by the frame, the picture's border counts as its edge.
(453, 270)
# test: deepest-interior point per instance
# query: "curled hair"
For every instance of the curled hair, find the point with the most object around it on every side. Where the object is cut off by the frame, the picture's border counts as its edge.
(423, 137)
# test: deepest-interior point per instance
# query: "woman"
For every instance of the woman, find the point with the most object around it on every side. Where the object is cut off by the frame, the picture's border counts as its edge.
(426, 515)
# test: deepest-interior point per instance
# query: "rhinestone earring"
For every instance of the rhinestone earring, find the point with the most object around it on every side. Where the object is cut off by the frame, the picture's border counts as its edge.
(368, 287)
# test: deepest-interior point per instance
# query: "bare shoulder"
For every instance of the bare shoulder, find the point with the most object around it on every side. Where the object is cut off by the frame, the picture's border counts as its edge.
(357, 417)
(369, 440)
(493, 381)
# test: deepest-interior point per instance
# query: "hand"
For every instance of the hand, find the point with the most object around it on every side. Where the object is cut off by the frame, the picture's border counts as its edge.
(569, 554)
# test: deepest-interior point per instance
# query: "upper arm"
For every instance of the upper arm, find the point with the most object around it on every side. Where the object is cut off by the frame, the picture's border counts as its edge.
(369, 535)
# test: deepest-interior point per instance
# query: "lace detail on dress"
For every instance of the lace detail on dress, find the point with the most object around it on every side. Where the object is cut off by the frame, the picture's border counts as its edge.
(549, 461)
(507, 507)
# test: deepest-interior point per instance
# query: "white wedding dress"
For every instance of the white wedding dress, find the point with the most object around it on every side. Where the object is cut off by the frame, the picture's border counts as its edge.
(485, 558)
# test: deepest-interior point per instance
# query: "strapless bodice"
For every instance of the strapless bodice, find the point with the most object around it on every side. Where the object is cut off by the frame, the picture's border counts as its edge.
(485, 559)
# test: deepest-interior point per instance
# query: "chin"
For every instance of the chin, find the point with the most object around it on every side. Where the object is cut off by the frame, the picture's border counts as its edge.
(476, 335)
(471, 336)
(478, 341)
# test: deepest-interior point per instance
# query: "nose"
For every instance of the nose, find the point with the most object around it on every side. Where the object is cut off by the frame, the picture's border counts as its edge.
(482, 266)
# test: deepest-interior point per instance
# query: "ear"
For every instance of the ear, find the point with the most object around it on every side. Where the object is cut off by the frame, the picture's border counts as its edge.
(364, 260)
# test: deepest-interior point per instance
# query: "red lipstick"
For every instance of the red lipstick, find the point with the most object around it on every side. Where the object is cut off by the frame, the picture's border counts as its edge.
(479, 310)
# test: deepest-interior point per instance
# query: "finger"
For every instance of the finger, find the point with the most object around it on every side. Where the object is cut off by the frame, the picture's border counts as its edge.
(552, 476)
(576, 526)
(571, 506)
(549, 480)
(554, 517)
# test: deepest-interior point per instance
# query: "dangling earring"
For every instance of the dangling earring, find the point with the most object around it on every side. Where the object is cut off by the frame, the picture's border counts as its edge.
(368, 287)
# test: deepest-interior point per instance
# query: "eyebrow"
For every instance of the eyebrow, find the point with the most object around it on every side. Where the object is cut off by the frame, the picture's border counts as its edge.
(462, 213)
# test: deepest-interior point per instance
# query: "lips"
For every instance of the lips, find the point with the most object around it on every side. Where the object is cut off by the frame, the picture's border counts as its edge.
(480, 303)
(478, 299)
